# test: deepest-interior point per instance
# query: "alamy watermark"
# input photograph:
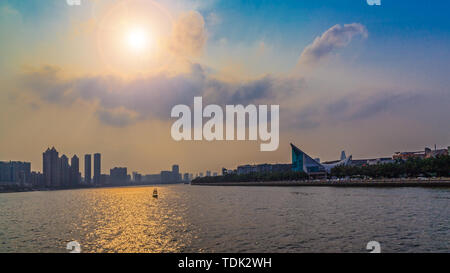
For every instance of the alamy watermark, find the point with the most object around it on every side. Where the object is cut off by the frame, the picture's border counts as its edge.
(213, 129)
(73, 2)
(74, 247)
(374, 2)
(374, 247)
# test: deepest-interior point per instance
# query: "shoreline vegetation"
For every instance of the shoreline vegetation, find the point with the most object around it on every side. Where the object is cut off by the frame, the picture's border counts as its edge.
(434, 182)
(412, 172)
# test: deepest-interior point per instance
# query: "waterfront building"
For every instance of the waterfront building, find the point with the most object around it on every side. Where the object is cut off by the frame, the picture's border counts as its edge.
(51, 168)
(104, 179)
(426, 153)
(15, 172)
(166, 177)
(65, 171)
(87, 169)
(263, 168)
(36, 179)
(186, 177)
(97, 168)
(176, 173)
(302, 162)
(118, 176)
(152, 178)
(74, 171)
(137, 177)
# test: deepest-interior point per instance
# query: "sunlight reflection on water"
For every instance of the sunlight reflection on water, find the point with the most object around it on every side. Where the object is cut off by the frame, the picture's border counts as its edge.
(226, 219)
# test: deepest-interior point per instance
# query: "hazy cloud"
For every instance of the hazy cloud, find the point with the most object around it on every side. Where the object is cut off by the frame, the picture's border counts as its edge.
(188, 35)
(122, 102)
(335, 37)
(116, 118)
(350, 108)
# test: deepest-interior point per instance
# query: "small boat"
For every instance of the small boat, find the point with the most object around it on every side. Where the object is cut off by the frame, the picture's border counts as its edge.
(155, 193)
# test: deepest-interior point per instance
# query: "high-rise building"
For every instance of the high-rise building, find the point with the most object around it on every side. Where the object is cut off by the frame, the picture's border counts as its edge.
(137, 177)
(176, 176)
(118, 176)
(74, 171)
(97, 168)
(51, 170)
(65, 171)
(5, 172)
(87, 169)
(166, 177)
(15, 172)
(37, 179)
(186, 177)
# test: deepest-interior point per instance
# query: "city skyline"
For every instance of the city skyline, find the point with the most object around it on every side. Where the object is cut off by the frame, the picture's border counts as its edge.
(69, 174)
(370, 80)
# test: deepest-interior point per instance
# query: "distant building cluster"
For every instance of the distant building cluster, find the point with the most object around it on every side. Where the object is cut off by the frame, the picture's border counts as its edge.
(302, 162)
(261, 168)
(57, 172)
(60, 172)
(15, 172)
(427, 153)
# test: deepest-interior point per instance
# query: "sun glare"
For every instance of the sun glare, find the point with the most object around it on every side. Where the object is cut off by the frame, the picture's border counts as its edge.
(138, 39)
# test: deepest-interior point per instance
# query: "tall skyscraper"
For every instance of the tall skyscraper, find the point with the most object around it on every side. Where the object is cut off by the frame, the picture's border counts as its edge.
(51, 170)
(65, 170)
(87, 169)
(74, 171)
(97, 168)
(176, 176)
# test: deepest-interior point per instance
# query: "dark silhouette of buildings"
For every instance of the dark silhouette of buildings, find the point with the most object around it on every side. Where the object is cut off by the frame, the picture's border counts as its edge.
(51, 168)
(57, 172)
(65, 171)
(118, 176)
(87, 169)
(97, 168)
(75, 171)
(15, 172)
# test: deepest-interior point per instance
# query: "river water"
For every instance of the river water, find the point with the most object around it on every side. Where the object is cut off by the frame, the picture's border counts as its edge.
(188, 218)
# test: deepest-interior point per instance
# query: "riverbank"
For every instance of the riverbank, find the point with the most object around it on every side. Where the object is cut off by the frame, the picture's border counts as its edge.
(13, 189)
(444, 182)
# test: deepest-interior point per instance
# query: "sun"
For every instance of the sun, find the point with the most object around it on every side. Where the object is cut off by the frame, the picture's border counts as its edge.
(137, 39)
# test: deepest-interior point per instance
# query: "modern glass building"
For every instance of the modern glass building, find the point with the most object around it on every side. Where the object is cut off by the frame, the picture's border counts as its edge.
(301, 162)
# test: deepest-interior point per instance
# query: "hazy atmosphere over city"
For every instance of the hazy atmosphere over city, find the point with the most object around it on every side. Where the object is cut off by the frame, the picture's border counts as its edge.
(104, 76)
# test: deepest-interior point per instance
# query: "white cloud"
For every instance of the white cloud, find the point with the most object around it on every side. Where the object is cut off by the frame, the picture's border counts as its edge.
(334, 38)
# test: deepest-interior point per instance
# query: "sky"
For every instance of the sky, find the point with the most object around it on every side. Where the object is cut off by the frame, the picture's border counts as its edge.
(103, 77)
